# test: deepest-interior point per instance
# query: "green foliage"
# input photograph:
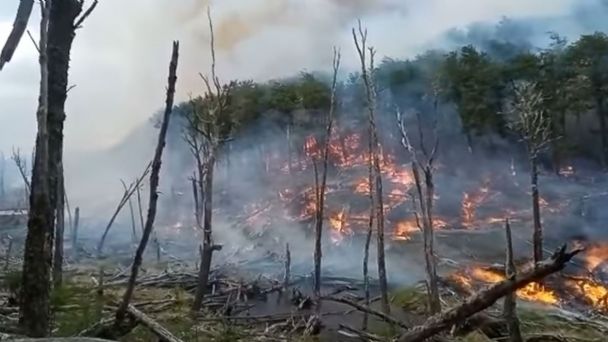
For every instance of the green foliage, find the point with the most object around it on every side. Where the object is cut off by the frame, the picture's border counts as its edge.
(75, 307)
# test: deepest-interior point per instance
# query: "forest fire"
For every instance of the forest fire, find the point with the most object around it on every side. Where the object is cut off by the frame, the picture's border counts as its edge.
(470, 202)
(595, 255)
(533, 292)
(595, 293)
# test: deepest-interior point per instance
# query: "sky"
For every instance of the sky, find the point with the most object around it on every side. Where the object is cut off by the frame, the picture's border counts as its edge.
(120, 57)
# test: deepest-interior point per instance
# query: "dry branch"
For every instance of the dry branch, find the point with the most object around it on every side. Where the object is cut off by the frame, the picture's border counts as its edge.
(486, 298)
(154, 180)
(125, 198)
(368, 310)
(19, 25)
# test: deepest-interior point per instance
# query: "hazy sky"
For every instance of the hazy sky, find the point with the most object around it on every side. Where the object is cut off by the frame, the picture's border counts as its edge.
(120, 57)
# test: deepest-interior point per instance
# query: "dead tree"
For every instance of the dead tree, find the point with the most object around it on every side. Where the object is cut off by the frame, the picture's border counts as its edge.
(19, 25)
(209, 120)
(59, 232)
(132, 213)
(510, 302)
(287, 273)
(22, 167)
(129, 191)
(321, 188)
(2, 175)
(367, 74)
(422, 162)
(531, 121)
(154, 181)
(75, 232)
(35, 291)
(484, 299)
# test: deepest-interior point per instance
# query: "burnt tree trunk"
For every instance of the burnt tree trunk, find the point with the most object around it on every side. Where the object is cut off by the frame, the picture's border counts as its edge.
(429, 243)
(510, 302)
(19, 25)
(601, 115)
(537, 236)
(368, 236)
(75, 232)
(154, 180)
(36, 282)
(59, 231)
(208, 246)
(61, 36)
(486, 298)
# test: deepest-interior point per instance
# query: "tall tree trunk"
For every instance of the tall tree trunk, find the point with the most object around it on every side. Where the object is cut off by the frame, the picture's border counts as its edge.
(368, 236)
(59, 232)
(603, 129)
(510, 302)
(537, 236)
(154, 181)
(208, 246)
(289, 143)
(75, 232)
(36, 282)
(61, 37)
(19, 25)
(429, 244)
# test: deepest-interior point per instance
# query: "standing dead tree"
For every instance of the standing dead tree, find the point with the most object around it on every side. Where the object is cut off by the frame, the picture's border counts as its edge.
(121, 312)
(129, 191)
(367, 74)
(22, 167)
(19, 25)
(424, 194)
(422, 162)
(211, 122)
(510, 302)
(35, 291)
(321, 188)
(531, 121)
(487, 297)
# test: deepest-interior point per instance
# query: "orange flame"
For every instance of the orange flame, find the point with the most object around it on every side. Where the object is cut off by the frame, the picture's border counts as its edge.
(534, 292)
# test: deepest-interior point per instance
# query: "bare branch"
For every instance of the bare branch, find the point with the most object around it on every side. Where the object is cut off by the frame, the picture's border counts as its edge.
(85, 15)
(19, 25)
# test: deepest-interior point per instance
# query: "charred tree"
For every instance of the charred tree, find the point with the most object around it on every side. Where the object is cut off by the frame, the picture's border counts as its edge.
(59, 232)
(510, 302)
(36, 282)
(486, 298)
(75, 232)
(154, 181)
(321, 188)
(65, 18)
(211, 122)
(370, 90)
(19, 25)
(534, 125)
(422, 165)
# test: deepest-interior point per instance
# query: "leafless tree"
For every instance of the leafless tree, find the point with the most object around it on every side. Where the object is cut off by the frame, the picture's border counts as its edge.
(19, 25)
(154, 181)
(22, 167)
(530, 120)
(367, 74)
(209, 118)
(422, 162)
(34, 303)
(321, 188)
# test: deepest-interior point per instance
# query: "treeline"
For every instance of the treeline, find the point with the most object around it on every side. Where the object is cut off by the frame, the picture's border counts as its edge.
(473, 85)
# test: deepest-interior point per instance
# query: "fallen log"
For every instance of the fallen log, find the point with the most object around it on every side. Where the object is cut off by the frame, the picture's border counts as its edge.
(368, 310)
(486, 298)
(163, 334)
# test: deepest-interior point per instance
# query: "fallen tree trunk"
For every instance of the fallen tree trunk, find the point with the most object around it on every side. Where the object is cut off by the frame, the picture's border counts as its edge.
(163, 334)
(368, 310)
(486, 298)
(19, 25)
